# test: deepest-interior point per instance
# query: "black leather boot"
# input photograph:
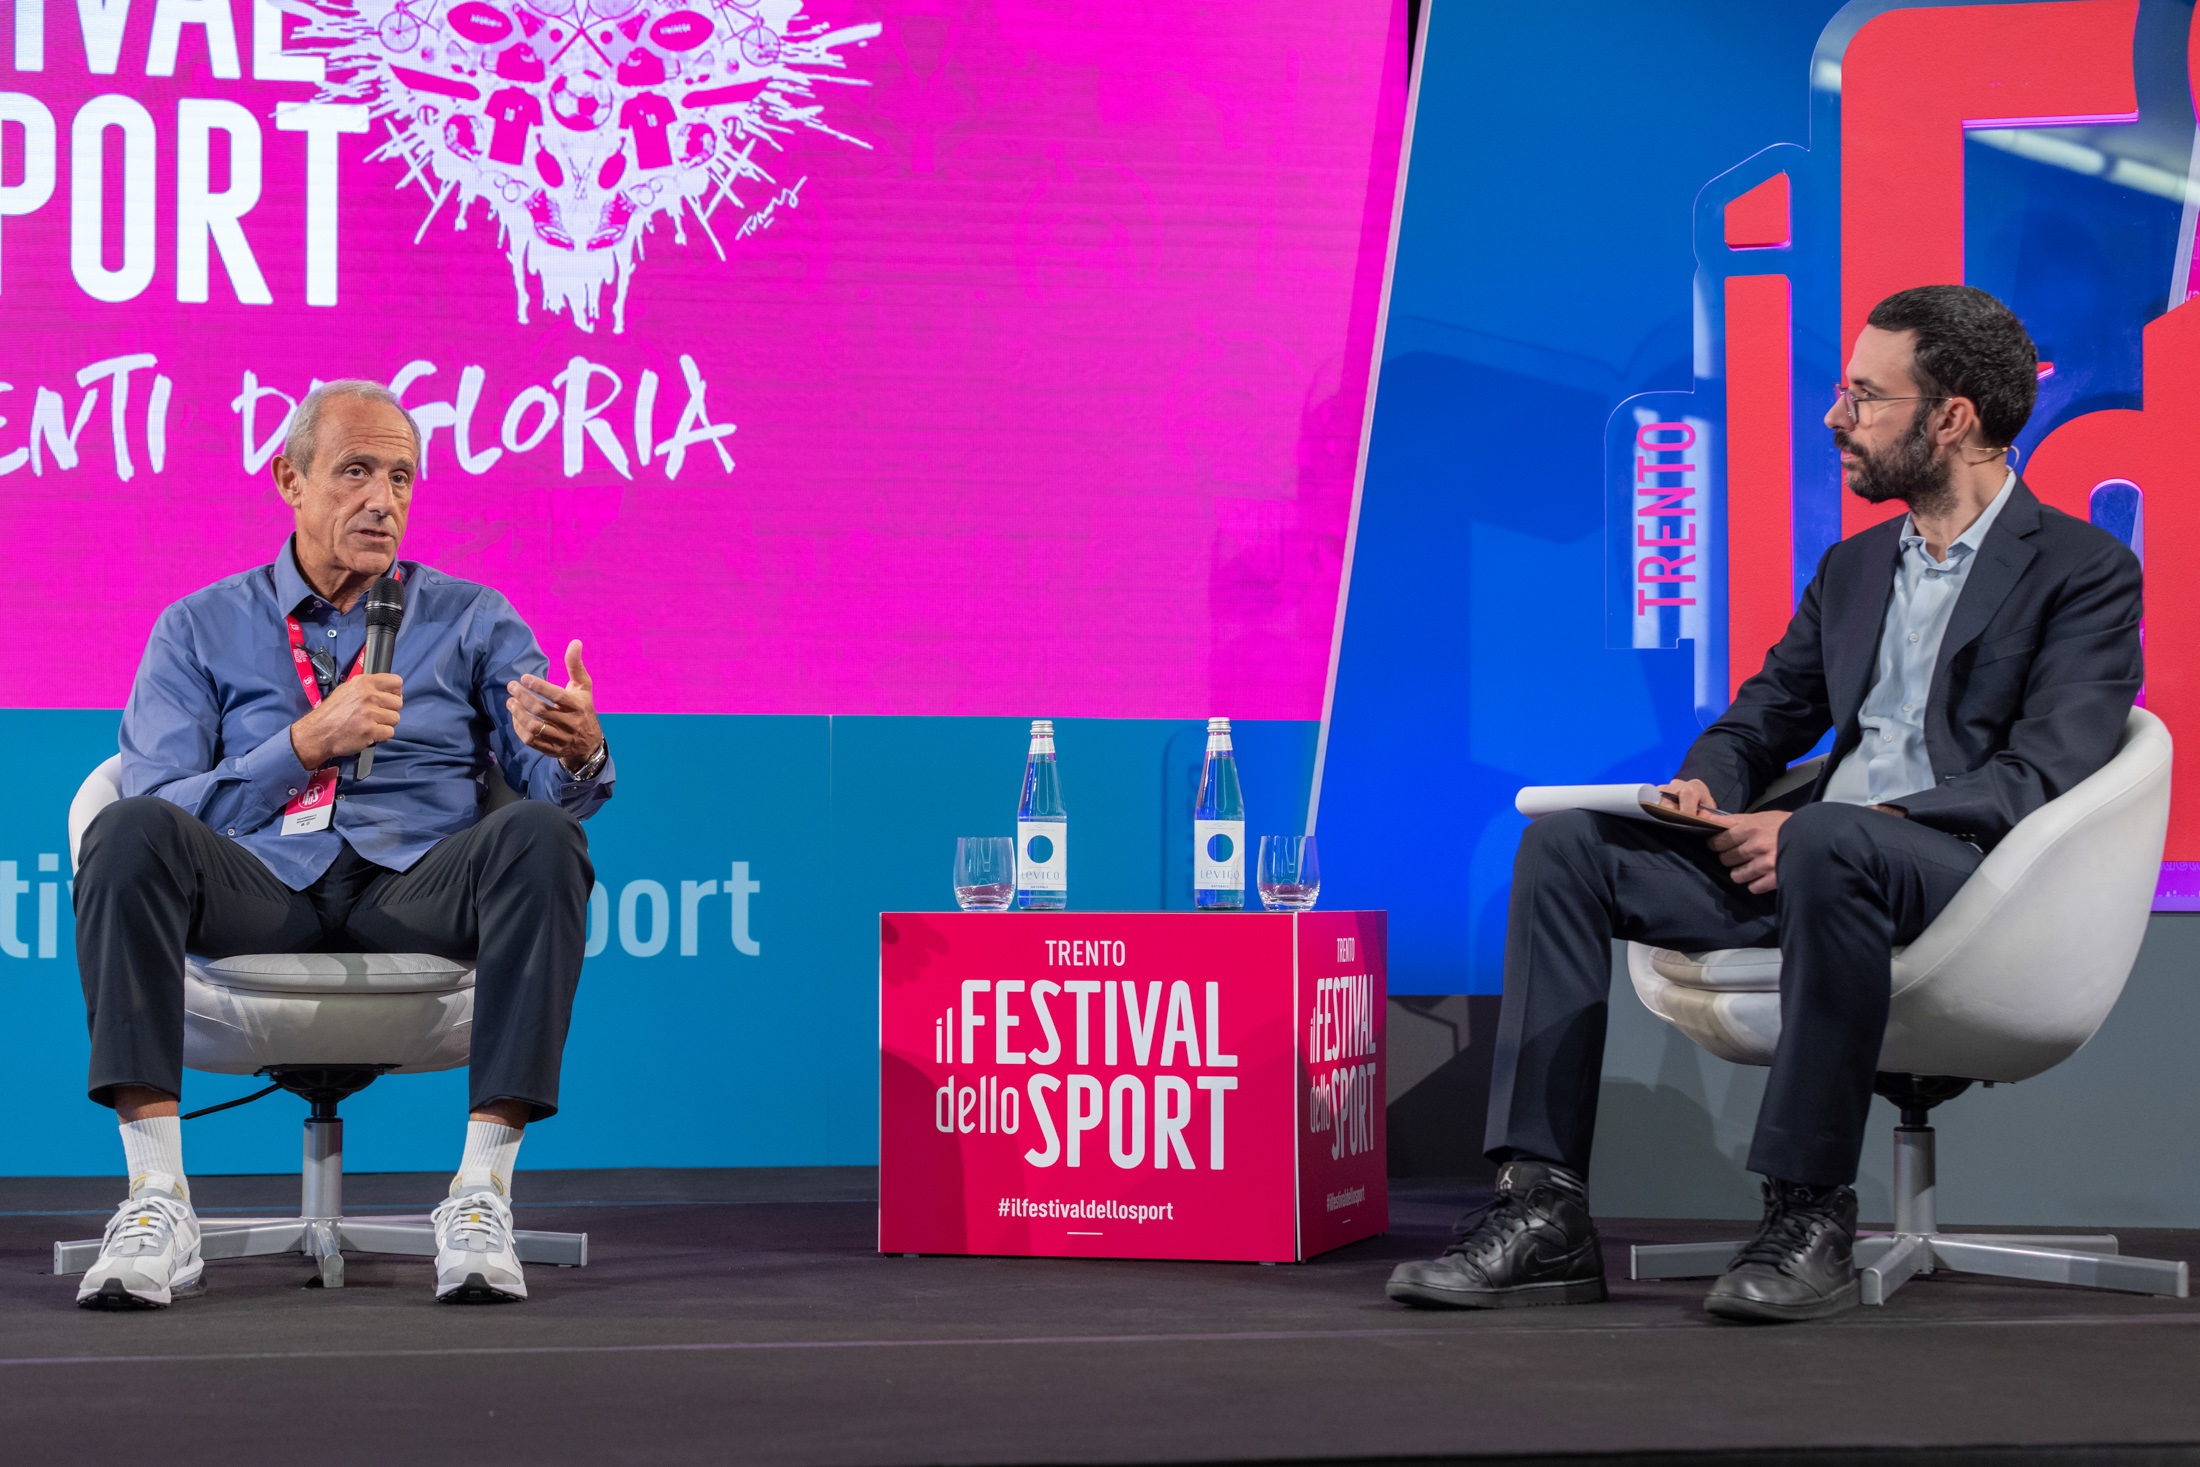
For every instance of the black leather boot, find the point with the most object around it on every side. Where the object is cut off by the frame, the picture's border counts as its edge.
(1533, 1244)
(1801, 1264)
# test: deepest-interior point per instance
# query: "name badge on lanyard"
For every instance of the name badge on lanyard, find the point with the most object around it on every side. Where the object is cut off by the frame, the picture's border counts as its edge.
(314, 807)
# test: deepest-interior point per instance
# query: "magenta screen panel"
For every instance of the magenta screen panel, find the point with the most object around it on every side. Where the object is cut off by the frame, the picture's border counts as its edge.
(877, 357)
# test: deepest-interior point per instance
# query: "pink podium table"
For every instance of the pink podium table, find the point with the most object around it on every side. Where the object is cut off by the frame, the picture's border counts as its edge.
(1131, 1084)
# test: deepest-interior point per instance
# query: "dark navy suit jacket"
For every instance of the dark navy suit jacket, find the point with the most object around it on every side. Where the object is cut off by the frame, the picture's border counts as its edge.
(2035, 677)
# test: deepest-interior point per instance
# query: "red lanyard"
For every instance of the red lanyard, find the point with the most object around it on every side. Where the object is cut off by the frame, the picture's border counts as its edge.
(305, 663)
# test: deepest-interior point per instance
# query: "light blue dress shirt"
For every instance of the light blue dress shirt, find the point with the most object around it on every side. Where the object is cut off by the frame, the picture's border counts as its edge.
(1892, 760)
(208, 723)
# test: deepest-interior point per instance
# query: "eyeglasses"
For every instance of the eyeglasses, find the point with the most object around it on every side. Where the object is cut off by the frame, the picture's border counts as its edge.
(1847, 399)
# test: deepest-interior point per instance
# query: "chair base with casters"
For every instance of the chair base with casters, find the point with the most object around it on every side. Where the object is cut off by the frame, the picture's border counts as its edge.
(320, 1231)
(1887, 1261)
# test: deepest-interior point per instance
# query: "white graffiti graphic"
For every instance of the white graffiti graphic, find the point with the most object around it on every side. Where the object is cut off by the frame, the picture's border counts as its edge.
(580, 123)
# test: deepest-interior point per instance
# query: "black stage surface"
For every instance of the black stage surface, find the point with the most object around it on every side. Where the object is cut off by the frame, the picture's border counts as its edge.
(743, 1316)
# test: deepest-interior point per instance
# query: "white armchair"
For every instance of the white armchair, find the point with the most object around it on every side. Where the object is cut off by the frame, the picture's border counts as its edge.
(322, 1026)
(2012, 979)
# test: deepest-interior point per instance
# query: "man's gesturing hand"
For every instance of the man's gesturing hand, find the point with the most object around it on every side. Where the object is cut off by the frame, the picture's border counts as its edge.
(360, 712)
(561, 722)
(1750, 847)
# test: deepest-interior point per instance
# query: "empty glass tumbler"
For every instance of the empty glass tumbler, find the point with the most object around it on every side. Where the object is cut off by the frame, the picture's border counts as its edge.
(985, 872)
(1290, 876)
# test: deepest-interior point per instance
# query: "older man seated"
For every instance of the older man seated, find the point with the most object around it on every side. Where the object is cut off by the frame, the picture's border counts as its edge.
(247, 829)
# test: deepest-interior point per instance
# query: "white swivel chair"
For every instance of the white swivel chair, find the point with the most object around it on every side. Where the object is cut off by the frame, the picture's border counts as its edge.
(322, 1026)
(2009, 981)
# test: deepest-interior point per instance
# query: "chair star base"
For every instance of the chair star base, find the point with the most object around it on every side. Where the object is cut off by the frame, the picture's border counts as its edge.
(321, 1232)
(1887, 1261)
(326, 1240)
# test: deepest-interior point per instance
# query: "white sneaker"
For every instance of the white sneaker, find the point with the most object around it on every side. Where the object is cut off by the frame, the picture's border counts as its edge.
(475, 1261)
(149, 1255)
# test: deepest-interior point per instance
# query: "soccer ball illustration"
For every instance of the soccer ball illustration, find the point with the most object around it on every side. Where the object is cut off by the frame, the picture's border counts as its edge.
(579, 124)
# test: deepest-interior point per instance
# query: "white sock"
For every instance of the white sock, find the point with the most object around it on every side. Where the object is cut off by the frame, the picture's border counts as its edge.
(154, 1145)
(492, 1149)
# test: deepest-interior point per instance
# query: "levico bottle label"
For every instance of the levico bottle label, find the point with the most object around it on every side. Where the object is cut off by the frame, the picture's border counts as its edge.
(1042, 855)
(1218, 855)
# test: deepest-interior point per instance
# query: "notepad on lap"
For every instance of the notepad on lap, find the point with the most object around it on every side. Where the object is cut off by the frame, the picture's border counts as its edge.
(1628, 801)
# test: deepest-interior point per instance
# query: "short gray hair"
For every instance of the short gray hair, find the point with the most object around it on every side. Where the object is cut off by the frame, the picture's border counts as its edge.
(299, 443)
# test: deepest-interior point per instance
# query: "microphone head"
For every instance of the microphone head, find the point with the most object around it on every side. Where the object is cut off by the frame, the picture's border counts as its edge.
(385, 604)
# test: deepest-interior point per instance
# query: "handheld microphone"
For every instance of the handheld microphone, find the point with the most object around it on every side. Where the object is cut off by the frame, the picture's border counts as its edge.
(385, 609)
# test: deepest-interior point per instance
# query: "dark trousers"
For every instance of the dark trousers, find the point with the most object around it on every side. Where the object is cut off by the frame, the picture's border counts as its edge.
(1852, 884)
(510, 895)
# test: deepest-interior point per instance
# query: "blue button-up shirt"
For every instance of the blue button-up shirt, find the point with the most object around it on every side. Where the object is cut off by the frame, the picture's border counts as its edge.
(1892, 760)
(208, 724)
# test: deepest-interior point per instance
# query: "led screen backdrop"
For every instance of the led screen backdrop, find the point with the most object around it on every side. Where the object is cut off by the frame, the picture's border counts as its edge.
(882, 357)
(1598, 460)
(860, 382)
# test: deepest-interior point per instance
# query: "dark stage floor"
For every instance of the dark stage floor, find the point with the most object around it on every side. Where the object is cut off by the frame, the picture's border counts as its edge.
(738, 1316)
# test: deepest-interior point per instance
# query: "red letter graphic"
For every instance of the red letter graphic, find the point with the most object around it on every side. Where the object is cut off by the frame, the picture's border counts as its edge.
(2153, 449)
(1910, 82)
(1760, 547)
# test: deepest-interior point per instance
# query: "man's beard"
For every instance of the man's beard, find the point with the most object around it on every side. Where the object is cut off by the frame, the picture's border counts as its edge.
(1908, 470)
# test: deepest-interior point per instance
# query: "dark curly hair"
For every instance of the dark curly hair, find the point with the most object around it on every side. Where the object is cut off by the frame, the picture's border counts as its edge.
(1968, 345)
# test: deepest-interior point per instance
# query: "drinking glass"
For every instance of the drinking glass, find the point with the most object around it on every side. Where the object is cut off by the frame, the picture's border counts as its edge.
(985, 872)
(1290, 876)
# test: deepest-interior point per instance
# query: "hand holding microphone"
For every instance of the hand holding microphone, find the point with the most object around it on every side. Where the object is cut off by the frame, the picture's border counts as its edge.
(362, 711)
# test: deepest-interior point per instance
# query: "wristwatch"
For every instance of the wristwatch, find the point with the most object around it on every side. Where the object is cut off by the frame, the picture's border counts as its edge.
(595, 764)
